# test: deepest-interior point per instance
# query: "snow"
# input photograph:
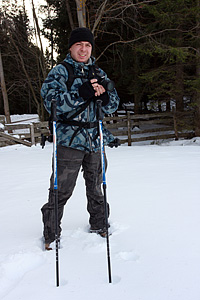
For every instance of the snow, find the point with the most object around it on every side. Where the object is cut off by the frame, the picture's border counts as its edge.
(25, 119)
(154, 195)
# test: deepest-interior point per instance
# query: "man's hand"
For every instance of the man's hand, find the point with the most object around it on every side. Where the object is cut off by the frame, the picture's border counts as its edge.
(99, 89)
(91, 89)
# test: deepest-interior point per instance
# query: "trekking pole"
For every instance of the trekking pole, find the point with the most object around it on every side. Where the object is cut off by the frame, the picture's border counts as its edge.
(100, 118)
(55, 190)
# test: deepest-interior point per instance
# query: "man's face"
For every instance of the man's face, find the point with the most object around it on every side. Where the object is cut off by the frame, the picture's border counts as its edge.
(81, 51)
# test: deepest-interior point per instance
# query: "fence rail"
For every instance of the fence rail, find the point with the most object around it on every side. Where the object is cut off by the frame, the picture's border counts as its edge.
(129, 128)
(156, 126)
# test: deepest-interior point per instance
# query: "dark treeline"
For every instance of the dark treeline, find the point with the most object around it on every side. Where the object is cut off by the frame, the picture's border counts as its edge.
(151, 49)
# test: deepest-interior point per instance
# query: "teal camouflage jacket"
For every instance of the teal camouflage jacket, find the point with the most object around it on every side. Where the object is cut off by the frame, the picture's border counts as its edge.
(69, 101)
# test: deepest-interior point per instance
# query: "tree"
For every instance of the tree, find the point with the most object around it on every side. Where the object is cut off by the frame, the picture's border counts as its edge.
(169, 27)
(81, 13)
(4, 92)
(22, 69)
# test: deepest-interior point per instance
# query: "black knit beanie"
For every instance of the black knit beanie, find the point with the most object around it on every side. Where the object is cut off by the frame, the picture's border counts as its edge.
(81, 34)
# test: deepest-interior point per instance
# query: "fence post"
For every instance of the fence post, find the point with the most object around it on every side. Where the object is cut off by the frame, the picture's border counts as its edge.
(32, 134)
(129, 127)
(175, 124)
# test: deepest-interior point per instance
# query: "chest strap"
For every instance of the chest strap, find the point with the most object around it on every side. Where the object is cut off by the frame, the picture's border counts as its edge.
(79, 125)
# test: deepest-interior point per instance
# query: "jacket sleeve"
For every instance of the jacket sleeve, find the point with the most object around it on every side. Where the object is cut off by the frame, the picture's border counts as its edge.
(54, 87)
(113, 102)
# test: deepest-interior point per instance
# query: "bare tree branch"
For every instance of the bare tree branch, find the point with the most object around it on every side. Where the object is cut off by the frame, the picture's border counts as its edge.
(69, 14)
(150, 35)
(99, 13)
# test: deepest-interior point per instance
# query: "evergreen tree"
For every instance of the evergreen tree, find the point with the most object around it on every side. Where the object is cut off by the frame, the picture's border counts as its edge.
(170, 27)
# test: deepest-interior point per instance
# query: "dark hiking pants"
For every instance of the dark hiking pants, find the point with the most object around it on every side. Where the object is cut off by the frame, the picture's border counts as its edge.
(69, 162)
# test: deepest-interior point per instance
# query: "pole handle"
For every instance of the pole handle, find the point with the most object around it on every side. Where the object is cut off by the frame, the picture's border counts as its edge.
(99, 110)
(53, 110)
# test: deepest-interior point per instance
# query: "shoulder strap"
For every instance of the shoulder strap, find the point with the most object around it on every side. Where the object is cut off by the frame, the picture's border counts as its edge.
(70, 71)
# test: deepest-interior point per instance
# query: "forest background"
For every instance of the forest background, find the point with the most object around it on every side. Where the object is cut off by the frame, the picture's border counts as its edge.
(151, 49)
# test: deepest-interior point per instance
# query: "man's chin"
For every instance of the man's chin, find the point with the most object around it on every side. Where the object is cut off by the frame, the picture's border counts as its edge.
(78, 58)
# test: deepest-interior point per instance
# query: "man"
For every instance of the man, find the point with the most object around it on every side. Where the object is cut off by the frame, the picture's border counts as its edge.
(77, 131)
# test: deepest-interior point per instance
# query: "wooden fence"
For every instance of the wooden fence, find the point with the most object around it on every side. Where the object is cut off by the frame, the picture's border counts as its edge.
(156, 126)
(129, 128)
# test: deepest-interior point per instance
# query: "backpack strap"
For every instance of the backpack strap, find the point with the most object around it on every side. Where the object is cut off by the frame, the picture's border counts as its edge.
(80, 125)
(71, 76)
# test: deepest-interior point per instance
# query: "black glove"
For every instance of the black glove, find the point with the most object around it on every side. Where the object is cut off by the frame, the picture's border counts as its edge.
(86, 91)
(114, 143)
(103, 97)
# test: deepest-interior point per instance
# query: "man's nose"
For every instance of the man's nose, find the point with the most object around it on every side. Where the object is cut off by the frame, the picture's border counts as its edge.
(83, 47)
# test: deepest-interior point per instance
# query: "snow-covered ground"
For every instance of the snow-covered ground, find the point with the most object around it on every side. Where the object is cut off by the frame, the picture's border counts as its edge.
(154, 193)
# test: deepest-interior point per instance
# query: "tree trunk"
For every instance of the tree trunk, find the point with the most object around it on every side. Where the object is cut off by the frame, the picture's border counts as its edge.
(4, 92)
(42, 61)
(137, 94)
(179, 87)
(197, 112)
(80, 4)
